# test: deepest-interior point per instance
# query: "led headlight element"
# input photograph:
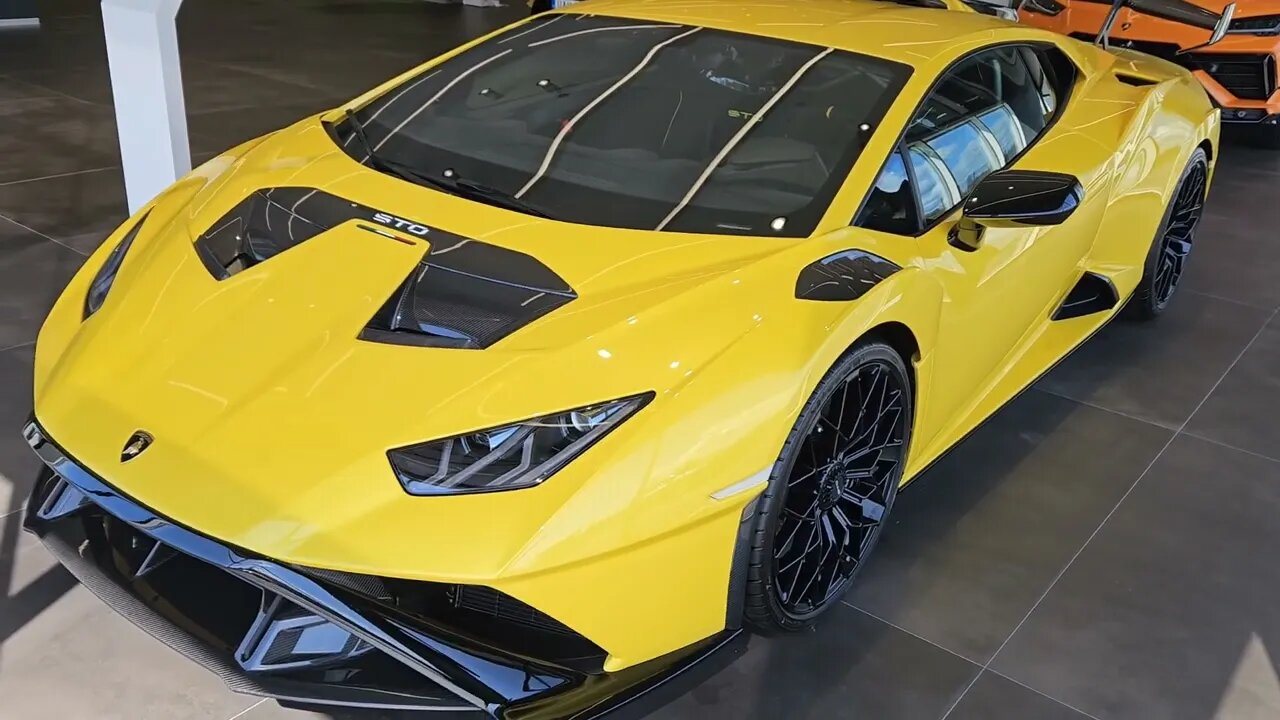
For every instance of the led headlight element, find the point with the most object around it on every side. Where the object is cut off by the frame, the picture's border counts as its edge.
(101, 284)
(514, 456)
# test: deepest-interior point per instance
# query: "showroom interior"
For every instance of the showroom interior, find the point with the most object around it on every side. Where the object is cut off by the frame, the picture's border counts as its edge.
(1102, 547)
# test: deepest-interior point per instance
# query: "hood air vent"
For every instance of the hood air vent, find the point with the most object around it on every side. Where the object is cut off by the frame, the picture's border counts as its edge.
(467, 294)
(464, 293)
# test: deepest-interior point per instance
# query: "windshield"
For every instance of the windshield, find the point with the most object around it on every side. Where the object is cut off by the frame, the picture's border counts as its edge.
(622, 123)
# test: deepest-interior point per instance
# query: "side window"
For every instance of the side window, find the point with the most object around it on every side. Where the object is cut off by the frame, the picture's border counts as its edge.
(978, 118)
(936, 189)
(891, 206)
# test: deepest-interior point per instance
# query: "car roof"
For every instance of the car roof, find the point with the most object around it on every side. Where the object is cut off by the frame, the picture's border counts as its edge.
(881, 28)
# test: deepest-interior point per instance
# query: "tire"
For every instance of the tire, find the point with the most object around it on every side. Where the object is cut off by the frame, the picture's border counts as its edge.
(849, 503)
(539, 6)
(1166, 260)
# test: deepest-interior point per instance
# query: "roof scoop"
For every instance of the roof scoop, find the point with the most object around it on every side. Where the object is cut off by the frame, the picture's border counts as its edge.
(1179, 11)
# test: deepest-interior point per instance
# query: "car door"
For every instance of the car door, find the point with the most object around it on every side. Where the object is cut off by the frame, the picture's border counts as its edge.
(990, 111)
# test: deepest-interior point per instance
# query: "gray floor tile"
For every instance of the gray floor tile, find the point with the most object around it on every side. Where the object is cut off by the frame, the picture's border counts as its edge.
(1159, 371)
(79, 210)
(206, 86)
(998, 698)
(223, 129)
(1170, 612)
(852, 666)
(33, 271)
(1239, 153)
(1231, 261)
(210, 87)
(11, 90)
(18, 465)
(1235, 201)
(1242, 409)
(51, 135)
(976, 541)
(67, 656)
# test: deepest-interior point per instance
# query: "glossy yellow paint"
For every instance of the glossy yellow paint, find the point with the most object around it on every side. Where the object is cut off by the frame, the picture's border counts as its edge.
(272, 421)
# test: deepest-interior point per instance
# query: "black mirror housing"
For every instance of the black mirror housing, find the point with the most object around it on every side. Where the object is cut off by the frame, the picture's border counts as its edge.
(1016, 198)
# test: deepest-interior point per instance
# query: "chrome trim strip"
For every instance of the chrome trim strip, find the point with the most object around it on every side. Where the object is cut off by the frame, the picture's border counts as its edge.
(261, 573)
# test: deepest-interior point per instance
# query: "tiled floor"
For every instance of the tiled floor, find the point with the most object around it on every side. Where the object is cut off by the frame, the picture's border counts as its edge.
(1104, 548)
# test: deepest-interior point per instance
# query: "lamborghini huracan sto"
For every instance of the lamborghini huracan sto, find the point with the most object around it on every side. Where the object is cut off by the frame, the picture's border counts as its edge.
(1239, 73)
(533, 378)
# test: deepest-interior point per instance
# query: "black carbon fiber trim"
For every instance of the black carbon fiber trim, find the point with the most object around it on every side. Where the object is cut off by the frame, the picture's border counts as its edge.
(739, 567)
(844, 276)
(464, 294)
(1092, 293)
(124, 603)
(487, 601)
(468, 295)
(273, 220)
(368, 585)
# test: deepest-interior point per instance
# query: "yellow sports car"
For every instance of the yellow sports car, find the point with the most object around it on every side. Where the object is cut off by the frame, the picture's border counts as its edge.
(528, 380)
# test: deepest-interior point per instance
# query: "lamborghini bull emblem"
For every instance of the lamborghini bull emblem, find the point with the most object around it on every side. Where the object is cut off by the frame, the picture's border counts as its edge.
(138, 442)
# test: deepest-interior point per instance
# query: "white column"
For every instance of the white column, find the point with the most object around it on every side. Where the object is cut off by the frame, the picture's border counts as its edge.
(146, 82)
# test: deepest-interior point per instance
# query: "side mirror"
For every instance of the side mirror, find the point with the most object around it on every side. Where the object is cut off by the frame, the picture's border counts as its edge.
(1016, 198)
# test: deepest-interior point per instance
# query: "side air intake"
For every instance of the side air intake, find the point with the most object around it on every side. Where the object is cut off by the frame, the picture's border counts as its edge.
(1093, 293)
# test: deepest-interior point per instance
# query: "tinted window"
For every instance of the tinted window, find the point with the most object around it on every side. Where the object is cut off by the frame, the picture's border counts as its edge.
(623, 123)
(980, 116)
(1009, 134)
(936, 190)
(891, 206)
(965, 152)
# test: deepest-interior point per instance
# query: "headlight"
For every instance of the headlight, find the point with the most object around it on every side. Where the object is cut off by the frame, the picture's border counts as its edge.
(1257, 25)
(101, 284)
(514, 456)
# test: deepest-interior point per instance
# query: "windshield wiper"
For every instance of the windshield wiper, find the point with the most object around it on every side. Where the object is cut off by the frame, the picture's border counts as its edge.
(400, 170)
(493, 196)
(449, 183)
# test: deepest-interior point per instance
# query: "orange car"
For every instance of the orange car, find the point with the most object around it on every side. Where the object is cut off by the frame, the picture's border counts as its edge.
(1239, 72)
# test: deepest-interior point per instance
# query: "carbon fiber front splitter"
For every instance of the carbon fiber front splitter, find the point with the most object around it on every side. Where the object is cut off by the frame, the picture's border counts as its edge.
(271, 629)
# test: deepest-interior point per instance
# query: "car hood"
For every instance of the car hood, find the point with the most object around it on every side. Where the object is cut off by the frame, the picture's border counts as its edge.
(272, 417)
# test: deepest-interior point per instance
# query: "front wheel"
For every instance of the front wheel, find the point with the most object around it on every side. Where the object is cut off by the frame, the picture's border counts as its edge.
(831, 490)
(1167, 258)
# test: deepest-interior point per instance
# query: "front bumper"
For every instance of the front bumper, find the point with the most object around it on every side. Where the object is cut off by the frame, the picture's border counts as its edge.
(275, 630)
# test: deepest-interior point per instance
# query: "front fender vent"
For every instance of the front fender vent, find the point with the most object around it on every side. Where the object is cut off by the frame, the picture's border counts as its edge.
(844, 276)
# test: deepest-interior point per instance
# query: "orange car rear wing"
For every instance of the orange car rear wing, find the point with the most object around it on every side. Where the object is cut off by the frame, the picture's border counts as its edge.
(1179, 11)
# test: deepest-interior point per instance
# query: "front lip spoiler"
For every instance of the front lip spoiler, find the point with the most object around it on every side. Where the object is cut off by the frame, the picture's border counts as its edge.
(479, 682)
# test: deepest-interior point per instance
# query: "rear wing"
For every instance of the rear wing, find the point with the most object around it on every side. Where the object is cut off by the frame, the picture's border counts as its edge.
(1179, 11)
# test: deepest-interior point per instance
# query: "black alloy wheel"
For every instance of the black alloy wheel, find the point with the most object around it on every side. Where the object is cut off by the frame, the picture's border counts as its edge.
(1167, 260)
(831, 490)
(1175, 245)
